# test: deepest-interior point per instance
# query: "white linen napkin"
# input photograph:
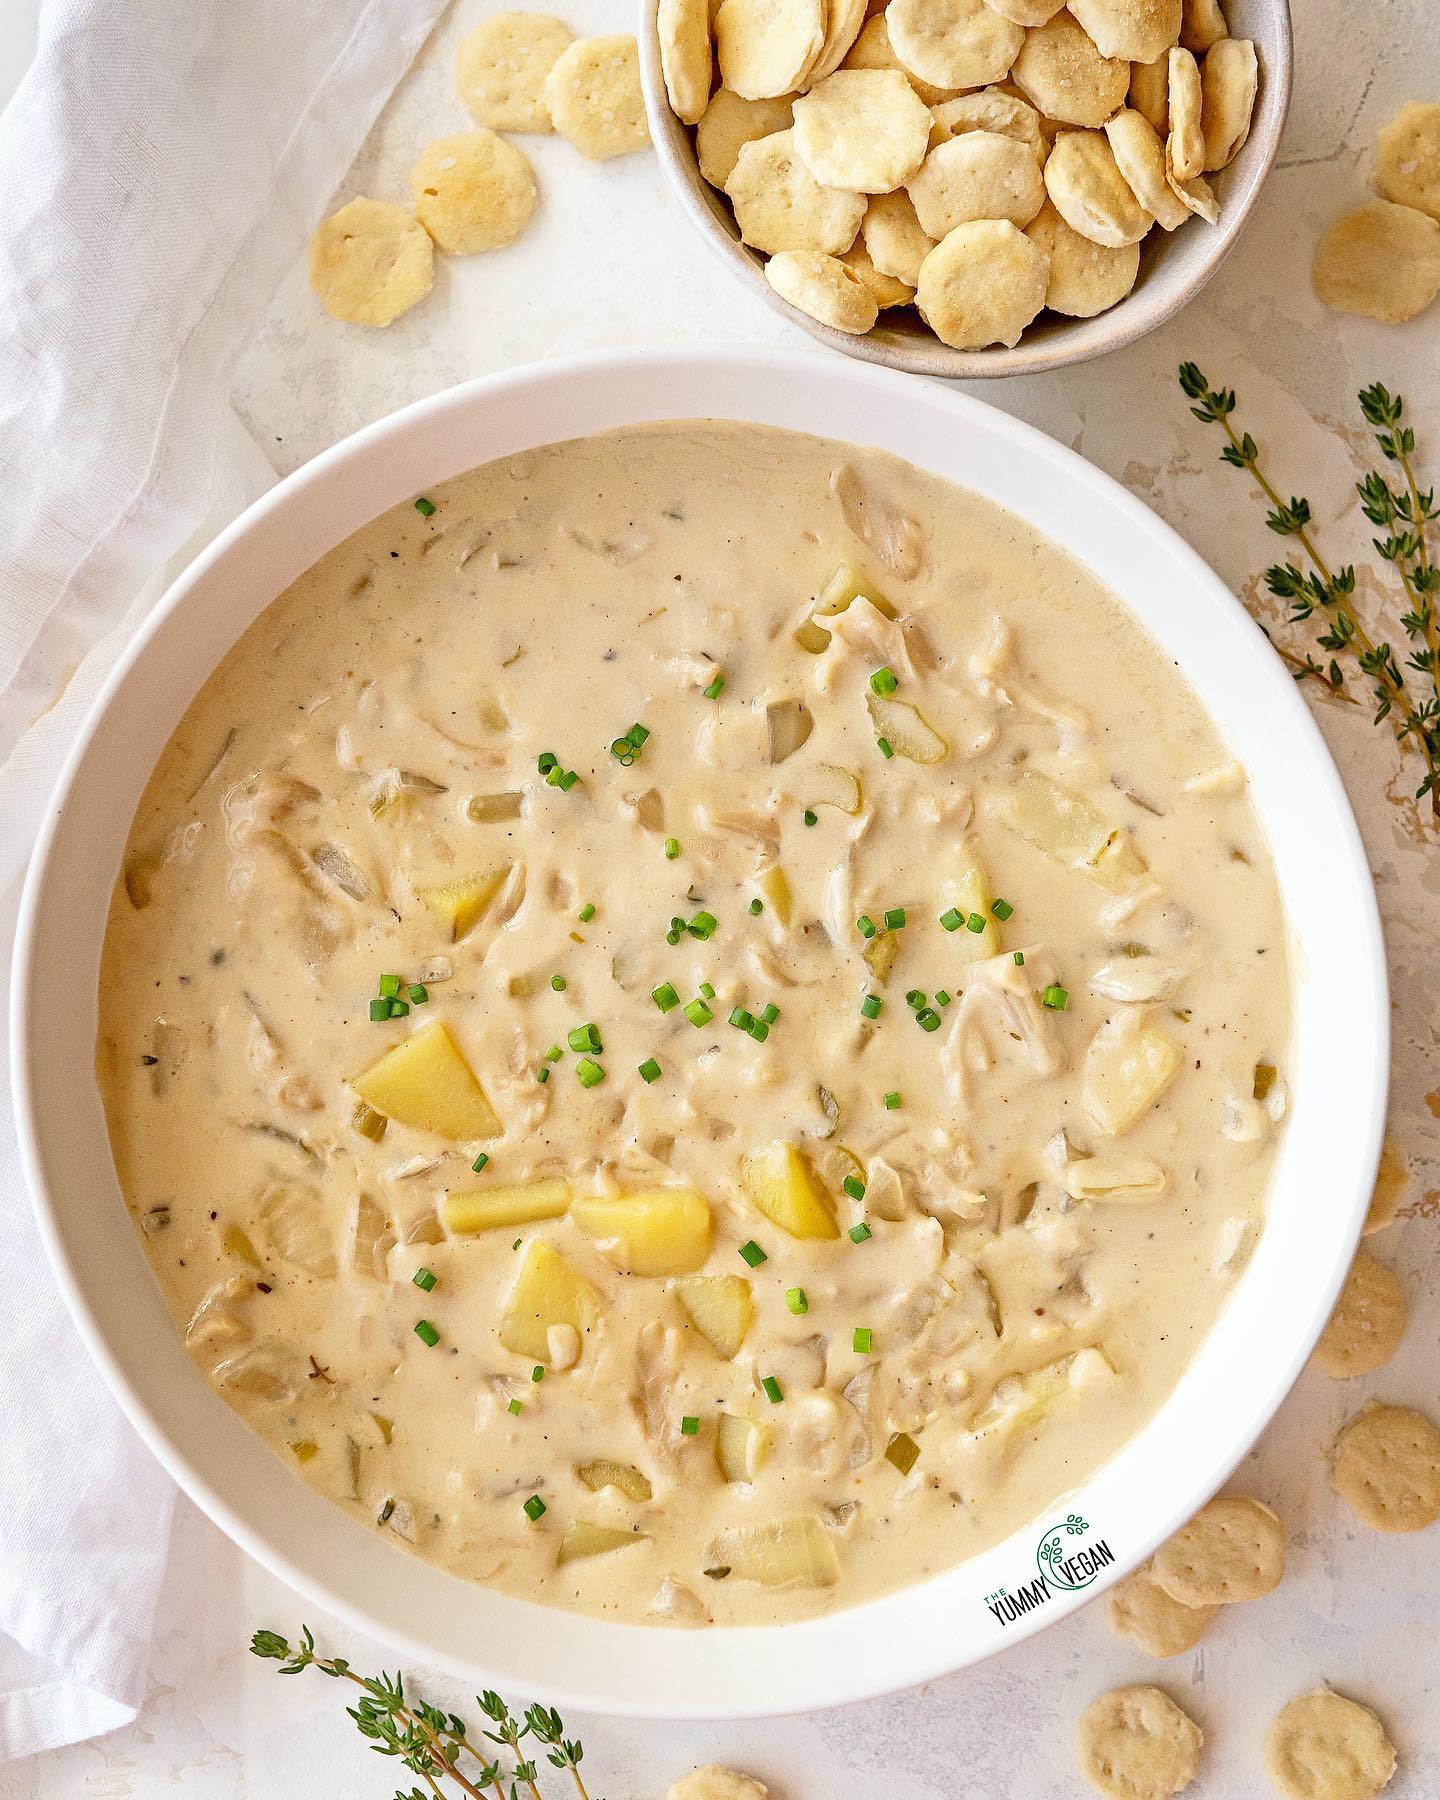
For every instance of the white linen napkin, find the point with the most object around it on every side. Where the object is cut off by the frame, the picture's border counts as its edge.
(160, 166)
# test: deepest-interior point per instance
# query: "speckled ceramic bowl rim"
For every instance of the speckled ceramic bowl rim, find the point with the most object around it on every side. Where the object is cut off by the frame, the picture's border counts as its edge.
(1062, 343)
(1241, 1372)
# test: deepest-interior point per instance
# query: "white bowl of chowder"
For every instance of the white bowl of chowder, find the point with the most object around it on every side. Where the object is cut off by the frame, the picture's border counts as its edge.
(790, 1210)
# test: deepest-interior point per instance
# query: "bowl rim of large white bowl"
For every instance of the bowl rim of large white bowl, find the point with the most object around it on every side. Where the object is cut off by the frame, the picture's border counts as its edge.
(1241, 1372)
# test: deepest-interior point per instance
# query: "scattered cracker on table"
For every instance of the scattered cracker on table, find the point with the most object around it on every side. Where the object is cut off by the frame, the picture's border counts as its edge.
(500, 69)
(473, 191)
(1233, 1549)
(1407, 158)
(712, 1782)
(1387, 1468)
(824, 287)
(1368, 1322)
(1381, 261)
(594, 96)
(1322, 1746)
(1135, 1743)
(370, 262)
(1139, 1610)
(1391, 1180)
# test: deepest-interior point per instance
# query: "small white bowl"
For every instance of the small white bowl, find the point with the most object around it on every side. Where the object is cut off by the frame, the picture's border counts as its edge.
(1241, 1372)
(1174, 266)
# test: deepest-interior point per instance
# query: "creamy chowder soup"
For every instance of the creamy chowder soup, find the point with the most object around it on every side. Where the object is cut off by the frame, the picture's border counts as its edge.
(694, 1024)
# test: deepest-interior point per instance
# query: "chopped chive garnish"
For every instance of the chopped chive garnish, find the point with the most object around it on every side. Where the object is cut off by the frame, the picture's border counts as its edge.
(554, 1053)
(590, 1073)
(672, 936)
(854, 1187)
(480, 1162)
(865, 925)
(706, 991)
(585, 1037)
(1002, 909)
(928, 1019)
(690, 1425)
(810, 818)
(418, 992)
(1019, 959)
(870, 1006)
(757, 906)
(534, 1508)
(389, 986)
(586, 913)
(915, 998)
(567, 781)
(975, 923)
(952, 920)
(538, 1372)
(399, 1008)
(544, 1075)
(622, 750)
(759, 1030)
(942, 997)
(514, 1408)
(665, 996)
(884, 681)
(379, 1011)
(426, 1333)
(672, 849)
(752, 1254)
(546, 761)
(424, 1279)
(883, 746)
(741, 1018)
(650, 1070)
(637, 735)
(772, 1390)
(892, 1101)
(858, 1233)
(424, 507)
(1055, 997)
(797, 1300)
(698, 1013)
(769, 1013)
(716, 688)
(863, 1341)
(894, 918)
(702, 925)
(558, 983)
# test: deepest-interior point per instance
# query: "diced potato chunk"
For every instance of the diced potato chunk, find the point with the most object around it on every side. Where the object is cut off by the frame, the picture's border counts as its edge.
(427, 1083)
(790, 1552)
(845, 584)
(741, 1447)
(483, 1209)
(1128, 1066)
(969, 892)
(583, 1539)
(625, 1476)
(547, 1292)
(778, 1182)
(237, 1243)
(829, 785)
(1119, 864)
(1056, 821)
(1019, 1400)
(663, 1232)
(461, 904)
(776, 889)
(908, 732)
(719, 1307)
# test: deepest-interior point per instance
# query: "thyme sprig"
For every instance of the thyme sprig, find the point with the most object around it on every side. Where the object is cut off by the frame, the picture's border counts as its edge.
(1398, 507)
(431, 1742)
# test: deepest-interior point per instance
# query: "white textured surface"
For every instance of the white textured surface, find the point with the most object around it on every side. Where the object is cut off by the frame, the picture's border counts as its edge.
(610, 262)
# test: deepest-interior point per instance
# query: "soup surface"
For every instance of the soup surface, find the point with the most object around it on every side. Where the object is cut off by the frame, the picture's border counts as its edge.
(694, 1025)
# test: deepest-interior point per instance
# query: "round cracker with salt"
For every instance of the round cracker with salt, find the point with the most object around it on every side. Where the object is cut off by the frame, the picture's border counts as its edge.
(1085, 278)
(728, 124)
(1185, 148)
(1139, 1610)
(779, 205)
(1135, 1743)
(1368, 1322)
(1381, 261)
(1140, 157)
(1391, 1180)
(766, 47)
(888, 290)
(595, 98)
(894, 237)
(823, 287)
(1150, 93)
(1233, 1549)
(873, 50)
(1201, 24)
(843, 20)
(683, 29)
(1229, 81)
(953, 43)
(1407, 158)
(862, 129)
(1060, 71)
(370, 262)
(982, 284)
(1132, 30)
(1387, 1468)
(1322, 1746)
(1196, 195)
(1090, 194)
(500, 69)
(992, 109)
(473, 191)
(978, 175)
